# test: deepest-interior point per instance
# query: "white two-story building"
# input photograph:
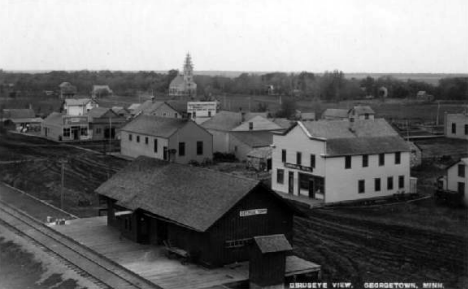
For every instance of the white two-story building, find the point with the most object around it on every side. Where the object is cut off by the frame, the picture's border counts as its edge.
(339, 160)
(77, 107)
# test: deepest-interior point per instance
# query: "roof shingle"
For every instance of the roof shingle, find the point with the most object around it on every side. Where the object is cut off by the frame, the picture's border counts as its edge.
(154, 185)
(155, 126)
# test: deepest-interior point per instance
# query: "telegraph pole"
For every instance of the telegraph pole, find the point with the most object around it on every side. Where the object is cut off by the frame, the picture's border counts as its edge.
(62, 162)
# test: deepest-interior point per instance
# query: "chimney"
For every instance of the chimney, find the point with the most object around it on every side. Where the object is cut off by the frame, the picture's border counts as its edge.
(152, 98)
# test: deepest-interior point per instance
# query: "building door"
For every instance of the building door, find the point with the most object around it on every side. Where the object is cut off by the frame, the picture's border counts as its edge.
(461, 188)
(161, 231)
(143, 229)
(75, 132)
(165, 154)
(291, 183)
(311, 188)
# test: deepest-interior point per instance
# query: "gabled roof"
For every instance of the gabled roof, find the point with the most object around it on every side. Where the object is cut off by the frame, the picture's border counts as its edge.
(147, 106)
(272, 243)
(197, 202)
(151, 106)
(254, 138)
(25, 120)
(227, 120)
(133, 106)
(368, 145)
(18, 113)
(155, 126)
(283, 122)
(332, 129)
(98, 112)
(78, 101)
(64, 84)
(178, 105)
(462, 161)
(55, 118)
(308, 115)
(101, 87)
(178, 80)
(335, 113)
(259, 123)
(355, 138)
(363, 109)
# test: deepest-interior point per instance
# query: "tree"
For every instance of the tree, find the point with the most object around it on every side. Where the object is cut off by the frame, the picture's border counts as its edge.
(288, 109)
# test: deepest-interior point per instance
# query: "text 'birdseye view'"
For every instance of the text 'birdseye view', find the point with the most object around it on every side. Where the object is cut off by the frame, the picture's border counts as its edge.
(321, 145)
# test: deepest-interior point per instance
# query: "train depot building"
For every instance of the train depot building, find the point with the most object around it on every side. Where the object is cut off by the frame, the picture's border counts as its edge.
(210, 216)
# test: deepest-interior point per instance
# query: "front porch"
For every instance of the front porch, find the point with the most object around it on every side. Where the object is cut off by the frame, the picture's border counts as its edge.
(310, 202)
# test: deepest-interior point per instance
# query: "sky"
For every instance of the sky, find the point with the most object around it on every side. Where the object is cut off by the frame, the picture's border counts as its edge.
(380, 36)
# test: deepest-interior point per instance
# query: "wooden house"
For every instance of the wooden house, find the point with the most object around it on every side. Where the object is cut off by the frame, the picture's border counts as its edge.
(173, 139)
(103, 123)
(211, 215)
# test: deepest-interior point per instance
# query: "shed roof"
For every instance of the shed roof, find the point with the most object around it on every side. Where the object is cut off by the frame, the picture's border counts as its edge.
(260, 153)
(198, 202)
(335, 113)
(254, 138)
(227, 120)
(258, 123)
(272, 243)
(155, 126)
(18, 113)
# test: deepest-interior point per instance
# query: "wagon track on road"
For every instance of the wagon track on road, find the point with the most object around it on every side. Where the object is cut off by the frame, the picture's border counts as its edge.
(87, 263)
(391, 243)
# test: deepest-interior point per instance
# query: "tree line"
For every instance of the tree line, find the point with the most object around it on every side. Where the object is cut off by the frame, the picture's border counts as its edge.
(328, 86)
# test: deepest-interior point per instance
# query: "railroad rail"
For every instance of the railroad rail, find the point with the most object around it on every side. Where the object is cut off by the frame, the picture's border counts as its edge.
(104, 272)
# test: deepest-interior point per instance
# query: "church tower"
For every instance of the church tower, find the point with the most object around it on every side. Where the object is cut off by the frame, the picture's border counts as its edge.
(188, 68)
(183, 85)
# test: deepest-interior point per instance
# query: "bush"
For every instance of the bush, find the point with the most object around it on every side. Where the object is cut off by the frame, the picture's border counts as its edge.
(194, 163)
(224, 157)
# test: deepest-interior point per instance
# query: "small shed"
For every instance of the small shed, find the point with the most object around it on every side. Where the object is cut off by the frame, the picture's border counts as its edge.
(268, 261)
(260, 159)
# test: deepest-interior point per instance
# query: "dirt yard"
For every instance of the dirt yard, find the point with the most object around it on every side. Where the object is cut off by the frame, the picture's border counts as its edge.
(401, 243)
(33, 165)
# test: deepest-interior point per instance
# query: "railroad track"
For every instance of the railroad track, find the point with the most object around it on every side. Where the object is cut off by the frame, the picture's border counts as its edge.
(102, 271)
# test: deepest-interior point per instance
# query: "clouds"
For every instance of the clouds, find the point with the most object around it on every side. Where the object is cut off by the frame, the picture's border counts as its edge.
(377, 36)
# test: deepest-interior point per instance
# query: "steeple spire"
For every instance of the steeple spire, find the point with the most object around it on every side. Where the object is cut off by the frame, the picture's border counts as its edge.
(188, 68)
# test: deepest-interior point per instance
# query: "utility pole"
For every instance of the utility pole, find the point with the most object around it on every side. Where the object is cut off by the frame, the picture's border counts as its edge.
(438, 108)
(110, 134)
(62, 162)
